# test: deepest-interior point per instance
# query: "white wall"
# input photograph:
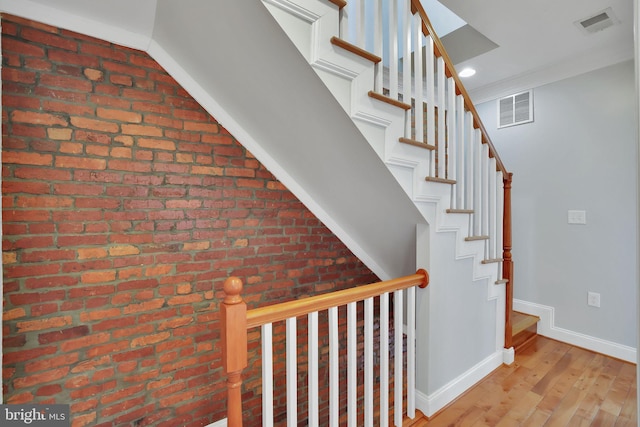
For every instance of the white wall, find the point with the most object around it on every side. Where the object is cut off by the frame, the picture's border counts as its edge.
(578, 154)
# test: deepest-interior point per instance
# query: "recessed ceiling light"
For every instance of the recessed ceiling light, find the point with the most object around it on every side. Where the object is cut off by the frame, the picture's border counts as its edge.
(467, 72)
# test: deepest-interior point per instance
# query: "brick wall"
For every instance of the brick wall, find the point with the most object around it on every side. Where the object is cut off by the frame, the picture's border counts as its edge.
(125, 206)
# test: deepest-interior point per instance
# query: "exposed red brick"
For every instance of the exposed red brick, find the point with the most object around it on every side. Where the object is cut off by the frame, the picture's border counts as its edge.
(125, 206)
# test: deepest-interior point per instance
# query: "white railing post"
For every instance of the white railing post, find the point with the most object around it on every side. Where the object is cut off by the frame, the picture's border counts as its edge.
(312, 374)
(484, 185)
(398, 374)
(442, 131)
(452, 133)
(393, 49)
(368, 362)
(411, 352)
(419, 116)
(477, 179)
(334, 369)
(493, 206)
(406, 65)
(461, 169)
(470, 161)
(292, 373)
(384, 360)
(267, 375)
(430, 82)
(352, 359)
(378, 47)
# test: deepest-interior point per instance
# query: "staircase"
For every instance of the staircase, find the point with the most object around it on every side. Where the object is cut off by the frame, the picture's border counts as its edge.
(442, 158)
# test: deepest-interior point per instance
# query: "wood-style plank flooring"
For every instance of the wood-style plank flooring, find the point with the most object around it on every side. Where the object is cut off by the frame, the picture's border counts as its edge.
(549, 384)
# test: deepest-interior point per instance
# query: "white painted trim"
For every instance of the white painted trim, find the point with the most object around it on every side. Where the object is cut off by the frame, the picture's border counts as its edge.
(508, 355)
(79, 24)
(221, 423)
(434, 402)
(547, 328)
(296, 10)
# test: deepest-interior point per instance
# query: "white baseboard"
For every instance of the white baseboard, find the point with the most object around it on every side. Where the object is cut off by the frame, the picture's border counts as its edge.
(432, 403)
(221, 423)
(547, 328)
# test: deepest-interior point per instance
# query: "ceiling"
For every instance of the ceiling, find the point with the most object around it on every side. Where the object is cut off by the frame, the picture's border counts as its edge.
(538, 41)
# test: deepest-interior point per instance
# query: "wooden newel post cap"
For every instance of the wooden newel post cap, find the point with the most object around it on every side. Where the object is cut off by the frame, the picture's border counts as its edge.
(232, 290)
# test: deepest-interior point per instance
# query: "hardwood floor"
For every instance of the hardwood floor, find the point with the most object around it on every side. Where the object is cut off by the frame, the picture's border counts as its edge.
(549, 384)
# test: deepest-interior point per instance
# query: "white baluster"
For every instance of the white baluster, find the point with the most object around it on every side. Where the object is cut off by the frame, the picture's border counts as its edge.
(431, 122)
(393, 48)
(384, 360)
(267, 375)
(470, 162)
(452, 133)
(484, 183)
(352, 358)
(292, 373)
(378, 45)
(461, 168)
(411, 352)
(442, 144)
(499, 230)
(368, 362)
(492, 208)
(398, 374)
(361, 19)
(477, 193)
(334, 369)
(312, 374)
(406, 65)
(418, 92)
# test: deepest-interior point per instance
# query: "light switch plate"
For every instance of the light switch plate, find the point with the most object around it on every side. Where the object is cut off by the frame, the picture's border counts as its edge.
(577, 217)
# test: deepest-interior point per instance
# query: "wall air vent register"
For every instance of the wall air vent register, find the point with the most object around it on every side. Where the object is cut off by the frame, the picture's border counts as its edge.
(515, 109)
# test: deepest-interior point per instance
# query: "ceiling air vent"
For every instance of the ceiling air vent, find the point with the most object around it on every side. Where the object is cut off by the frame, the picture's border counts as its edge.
(515, 109)
(597, 22)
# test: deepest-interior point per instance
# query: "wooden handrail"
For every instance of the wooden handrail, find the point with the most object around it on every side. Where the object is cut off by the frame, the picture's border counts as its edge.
(277, 312)
(427, 29)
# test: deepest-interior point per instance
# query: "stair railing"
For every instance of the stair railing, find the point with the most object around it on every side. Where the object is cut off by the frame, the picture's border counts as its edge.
(389, 296)
(460, 150)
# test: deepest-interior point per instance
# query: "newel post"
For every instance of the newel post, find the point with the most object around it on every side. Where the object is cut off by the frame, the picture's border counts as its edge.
(507, 265)
(233, 312)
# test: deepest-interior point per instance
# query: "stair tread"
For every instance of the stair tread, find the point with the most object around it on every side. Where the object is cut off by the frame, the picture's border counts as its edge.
(440, 180)
(417, 143)
(339, 3)
(492, 260)
(473, 238)
(460, 211)
(388, 100)
(522, 321)
(337, 41)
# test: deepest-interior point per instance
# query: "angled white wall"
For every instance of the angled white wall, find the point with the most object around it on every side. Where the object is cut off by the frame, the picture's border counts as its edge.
(578, 154)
